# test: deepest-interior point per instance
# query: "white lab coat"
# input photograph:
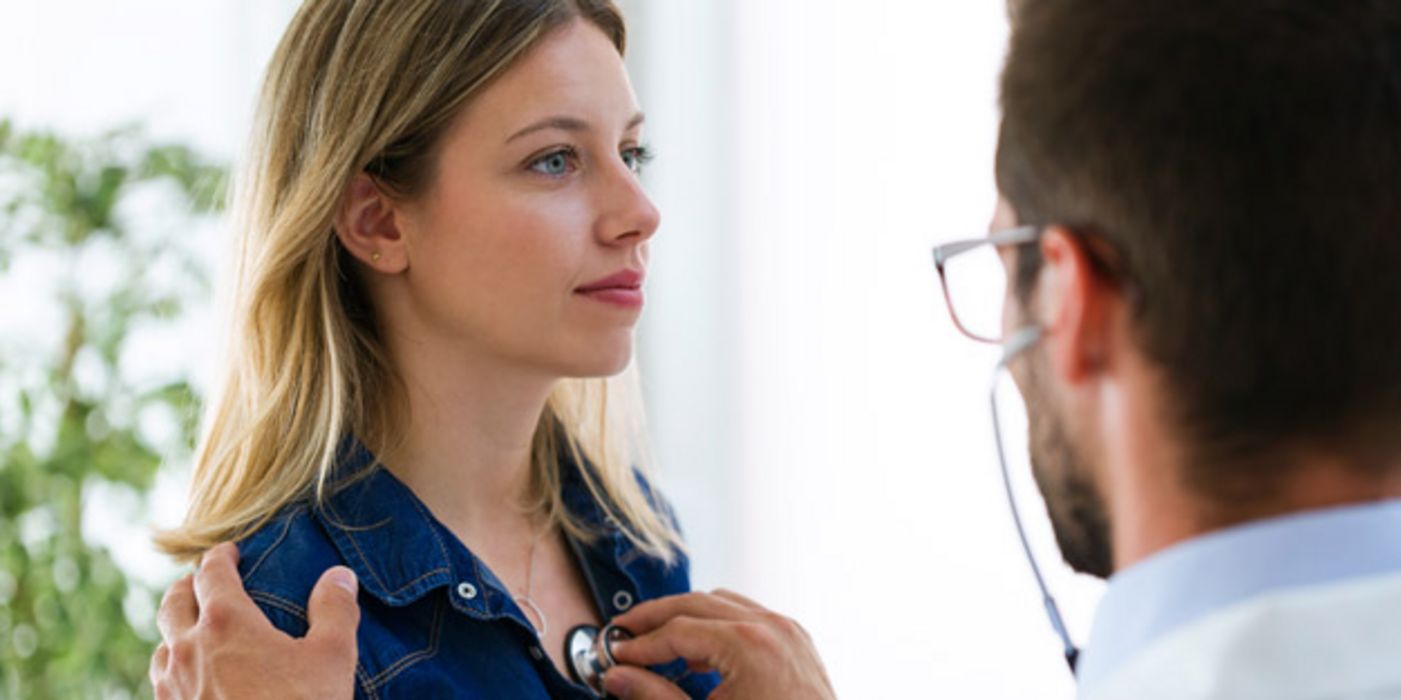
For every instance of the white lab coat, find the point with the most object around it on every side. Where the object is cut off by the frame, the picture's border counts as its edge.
(1332, 641)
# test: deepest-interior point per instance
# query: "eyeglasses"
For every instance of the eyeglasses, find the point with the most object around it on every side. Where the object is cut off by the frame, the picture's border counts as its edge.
(976, 281)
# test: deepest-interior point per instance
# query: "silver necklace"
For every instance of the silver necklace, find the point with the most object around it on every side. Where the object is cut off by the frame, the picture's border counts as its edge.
(525, 601)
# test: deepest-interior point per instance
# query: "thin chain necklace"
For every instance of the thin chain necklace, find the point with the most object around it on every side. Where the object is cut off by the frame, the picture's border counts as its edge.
(525, 601)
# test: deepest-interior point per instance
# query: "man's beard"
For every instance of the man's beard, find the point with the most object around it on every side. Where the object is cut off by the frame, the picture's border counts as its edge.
(1078, 515)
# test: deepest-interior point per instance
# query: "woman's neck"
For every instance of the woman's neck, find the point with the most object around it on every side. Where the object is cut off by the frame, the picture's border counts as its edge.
(466, 448)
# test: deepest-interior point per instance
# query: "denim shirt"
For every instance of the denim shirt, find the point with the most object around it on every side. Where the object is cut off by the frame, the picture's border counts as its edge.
(435, 622)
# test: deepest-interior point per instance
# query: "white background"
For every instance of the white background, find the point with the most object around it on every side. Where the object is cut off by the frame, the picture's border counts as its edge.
(821, 427)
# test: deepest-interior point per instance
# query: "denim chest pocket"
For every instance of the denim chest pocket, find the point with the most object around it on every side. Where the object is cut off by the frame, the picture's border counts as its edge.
(429, 649)
(394, 641)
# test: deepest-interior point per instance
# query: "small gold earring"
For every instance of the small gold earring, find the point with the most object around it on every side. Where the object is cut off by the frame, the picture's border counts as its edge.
(374, 256)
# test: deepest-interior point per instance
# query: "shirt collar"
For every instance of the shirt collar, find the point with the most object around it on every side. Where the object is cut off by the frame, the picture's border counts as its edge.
(1190, 580)
(400, 552)
(606, 559)
(384, 533)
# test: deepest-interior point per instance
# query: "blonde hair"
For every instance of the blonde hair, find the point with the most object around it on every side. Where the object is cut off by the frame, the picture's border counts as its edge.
(371, 86)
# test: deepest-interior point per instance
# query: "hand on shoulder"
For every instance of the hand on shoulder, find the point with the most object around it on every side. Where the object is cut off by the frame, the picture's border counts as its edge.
(216, 643)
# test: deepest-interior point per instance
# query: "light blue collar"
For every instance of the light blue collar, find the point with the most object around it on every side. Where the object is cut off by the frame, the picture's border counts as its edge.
(1190, 580)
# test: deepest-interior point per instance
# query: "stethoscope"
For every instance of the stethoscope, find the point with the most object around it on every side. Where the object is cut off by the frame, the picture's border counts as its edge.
(590, 654)
(590, 649)
(1019, 342)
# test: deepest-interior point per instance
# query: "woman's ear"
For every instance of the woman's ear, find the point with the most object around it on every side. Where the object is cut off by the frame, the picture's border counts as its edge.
(368, 226)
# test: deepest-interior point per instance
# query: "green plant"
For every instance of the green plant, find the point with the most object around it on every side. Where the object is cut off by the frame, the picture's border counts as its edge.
(101, 231)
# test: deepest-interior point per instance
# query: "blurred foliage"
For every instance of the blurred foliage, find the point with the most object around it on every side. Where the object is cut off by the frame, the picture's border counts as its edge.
(71, 420)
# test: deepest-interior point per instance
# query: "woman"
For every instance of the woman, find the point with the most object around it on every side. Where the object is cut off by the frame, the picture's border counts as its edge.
(443, 241)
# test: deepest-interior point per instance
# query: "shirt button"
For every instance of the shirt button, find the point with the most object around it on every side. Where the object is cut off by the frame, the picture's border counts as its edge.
(622, 600)
(537, 653)
(467, 590)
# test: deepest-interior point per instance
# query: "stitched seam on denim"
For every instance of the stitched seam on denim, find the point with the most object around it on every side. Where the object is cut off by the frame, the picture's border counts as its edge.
(287, 606)
(363, 528)
(276, 601)
(356, 545)
(428, 522)
(365, 682)
(632, 555)
(442, 549)
(434, 572)
(399, 666)
(629, 557)
(286, 528)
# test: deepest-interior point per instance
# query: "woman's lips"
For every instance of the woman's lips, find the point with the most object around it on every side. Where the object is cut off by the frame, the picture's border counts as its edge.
(618, 296)
(622, 289)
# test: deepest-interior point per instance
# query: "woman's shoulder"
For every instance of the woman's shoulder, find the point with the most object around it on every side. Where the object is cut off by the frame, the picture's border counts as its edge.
(281, 562)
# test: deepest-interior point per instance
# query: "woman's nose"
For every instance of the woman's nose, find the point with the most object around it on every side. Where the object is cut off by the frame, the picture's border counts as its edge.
(629, 214)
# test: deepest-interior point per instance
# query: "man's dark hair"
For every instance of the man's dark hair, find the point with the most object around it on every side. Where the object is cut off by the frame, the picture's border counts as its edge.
(1242, 160)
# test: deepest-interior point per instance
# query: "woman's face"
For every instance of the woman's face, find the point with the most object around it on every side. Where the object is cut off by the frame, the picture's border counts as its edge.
(531, 244)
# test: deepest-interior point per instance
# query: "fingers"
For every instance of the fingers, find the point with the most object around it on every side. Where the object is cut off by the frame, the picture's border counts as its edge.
(333, 611)
(762, 612)
(178, 611)
(219, 588)
(630, 683)
(159, 660)
(654, 613)
(737, 599)
(704, 644)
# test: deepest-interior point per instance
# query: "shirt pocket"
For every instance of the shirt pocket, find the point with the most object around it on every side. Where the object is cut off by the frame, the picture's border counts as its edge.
(394, 640)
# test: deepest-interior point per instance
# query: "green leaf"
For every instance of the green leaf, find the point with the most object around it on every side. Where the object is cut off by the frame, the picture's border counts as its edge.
(80, 642)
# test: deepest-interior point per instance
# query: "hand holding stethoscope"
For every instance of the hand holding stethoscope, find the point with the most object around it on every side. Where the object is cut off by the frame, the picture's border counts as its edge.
(590, 654)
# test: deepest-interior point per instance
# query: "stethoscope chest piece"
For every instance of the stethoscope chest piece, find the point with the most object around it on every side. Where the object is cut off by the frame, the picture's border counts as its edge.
(590, 654)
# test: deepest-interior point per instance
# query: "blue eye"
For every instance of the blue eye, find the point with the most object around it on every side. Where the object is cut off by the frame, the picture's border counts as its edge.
(636, 158)
(556, 164)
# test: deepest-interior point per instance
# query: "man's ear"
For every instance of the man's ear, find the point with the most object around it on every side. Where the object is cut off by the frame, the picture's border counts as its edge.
(368, 226)
(1076, 305)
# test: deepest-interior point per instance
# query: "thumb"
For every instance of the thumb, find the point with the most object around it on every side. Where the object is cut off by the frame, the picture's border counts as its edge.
(332, 612)
(633, 683)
